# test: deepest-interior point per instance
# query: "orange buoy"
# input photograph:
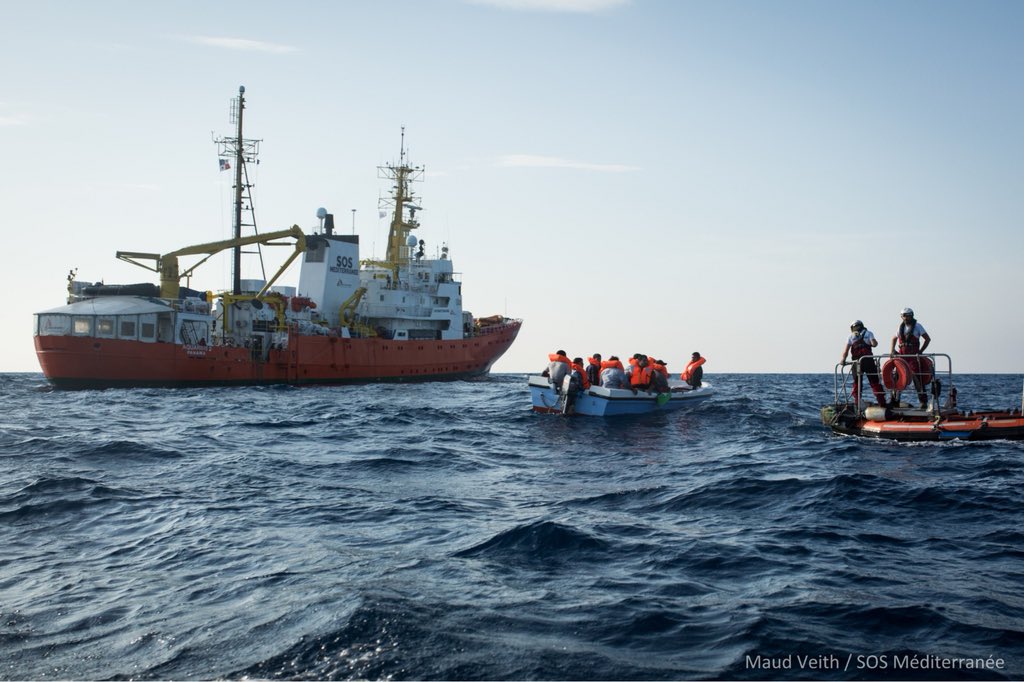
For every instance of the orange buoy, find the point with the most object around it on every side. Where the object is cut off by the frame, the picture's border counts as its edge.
(896, 374)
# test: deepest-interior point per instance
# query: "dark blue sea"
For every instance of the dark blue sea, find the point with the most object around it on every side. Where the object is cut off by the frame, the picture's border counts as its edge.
(444, 531)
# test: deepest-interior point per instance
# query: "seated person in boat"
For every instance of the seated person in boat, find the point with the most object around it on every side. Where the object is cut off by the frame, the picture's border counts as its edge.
(594, 369)
(694, 371)
(859, 345)
(612, 374)
(558, 368)
(659, 378)
(579, 374)
(640, 374)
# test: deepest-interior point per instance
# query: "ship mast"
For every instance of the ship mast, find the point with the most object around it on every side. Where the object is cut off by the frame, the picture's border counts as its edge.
(398, 250)
(236, 263)
(239, 150)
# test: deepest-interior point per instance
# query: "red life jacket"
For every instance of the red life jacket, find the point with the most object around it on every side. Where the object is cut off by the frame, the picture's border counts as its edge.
(910, 344)
(860, 347)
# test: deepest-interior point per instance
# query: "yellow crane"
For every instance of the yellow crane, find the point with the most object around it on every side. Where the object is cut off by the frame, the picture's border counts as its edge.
(170, 275)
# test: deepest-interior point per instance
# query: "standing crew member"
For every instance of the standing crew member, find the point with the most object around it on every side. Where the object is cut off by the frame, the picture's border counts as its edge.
(859, 346)
(909, 337)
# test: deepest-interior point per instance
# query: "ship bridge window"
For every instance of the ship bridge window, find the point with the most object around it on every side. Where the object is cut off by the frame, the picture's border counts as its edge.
(54, 325)
(315, 253)
(82, 325)
(105, 327)
(128, 324)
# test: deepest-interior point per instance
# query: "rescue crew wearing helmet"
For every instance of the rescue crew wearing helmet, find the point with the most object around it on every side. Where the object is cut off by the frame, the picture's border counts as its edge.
(909, 336)
(859, 346)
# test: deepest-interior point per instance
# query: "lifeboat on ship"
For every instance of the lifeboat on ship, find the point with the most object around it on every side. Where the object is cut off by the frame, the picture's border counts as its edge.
(938, 420)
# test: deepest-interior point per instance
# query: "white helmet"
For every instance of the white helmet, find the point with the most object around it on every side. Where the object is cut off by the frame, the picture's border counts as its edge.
(908, 311)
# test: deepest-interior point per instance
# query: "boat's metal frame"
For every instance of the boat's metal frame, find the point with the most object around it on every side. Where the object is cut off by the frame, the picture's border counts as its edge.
(899, 421)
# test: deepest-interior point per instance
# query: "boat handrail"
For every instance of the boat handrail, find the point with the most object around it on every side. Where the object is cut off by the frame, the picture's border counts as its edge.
(843, 394)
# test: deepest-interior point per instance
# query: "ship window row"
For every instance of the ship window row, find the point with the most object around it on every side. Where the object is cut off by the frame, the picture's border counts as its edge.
(129, 327)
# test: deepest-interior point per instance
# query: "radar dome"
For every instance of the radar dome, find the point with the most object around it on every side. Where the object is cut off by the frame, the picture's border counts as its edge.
(321, 213)
(411, 241)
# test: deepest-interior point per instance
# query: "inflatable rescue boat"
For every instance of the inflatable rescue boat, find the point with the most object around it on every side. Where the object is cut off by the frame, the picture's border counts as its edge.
(911, 377)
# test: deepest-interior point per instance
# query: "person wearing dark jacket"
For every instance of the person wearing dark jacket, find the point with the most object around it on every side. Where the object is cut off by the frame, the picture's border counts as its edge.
(594, 369)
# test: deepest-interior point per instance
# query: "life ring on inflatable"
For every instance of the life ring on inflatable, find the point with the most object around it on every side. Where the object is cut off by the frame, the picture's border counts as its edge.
(896, 374)
(925, 370)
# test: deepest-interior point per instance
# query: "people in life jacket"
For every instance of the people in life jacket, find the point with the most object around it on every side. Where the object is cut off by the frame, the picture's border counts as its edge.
(558, 367)
(859, 346)
(612, 373)
(640, 377)
(583, 381)
(694, 371)
(594, 369)
(909, 337)
(659, 377)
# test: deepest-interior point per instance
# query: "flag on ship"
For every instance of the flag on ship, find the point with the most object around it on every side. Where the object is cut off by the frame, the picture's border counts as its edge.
(225, 164)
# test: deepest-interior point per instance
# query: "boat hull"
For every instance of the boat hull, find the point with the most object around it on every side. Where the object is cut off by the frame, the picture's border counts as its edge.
(89, 362)
(952, 425)
(602, 402)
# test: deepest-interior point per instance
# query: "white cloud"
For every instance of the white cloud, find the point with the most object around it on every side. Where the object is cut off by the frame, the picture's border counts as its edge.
(533, 161)
(242, 44)
(12, 121)
(582, 6)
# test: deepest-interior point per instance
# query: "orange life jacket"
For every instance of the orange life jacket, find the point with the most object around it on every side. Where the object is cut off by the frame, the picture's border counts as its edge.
(636, 376)
(661, 369)
(555, 357)
(694, 364)
(605, 364)
(585, 382)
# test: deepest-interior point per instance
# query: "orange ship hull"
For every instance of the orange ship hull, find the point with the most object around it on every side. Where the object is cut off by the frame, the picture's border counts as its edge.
(90, 362)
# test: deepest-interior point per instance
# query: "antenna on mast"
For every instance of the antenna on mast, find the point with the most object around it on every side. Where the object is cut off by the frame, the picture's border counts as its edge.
(401, 156)
(240, 151)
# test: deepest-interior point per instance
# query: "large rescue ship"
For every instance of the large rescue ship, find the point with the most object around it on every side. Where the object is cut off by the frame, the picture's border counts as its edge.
(348, 321)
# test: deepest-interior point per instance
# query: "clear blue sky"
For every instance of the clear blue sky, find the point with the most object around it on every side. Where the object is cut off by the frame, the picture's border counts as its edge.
(739, 178)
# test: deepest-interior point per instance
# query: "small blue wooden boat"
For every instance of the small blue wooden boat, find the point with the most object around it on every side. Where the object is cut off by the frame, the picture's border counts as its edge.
(598, 401)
